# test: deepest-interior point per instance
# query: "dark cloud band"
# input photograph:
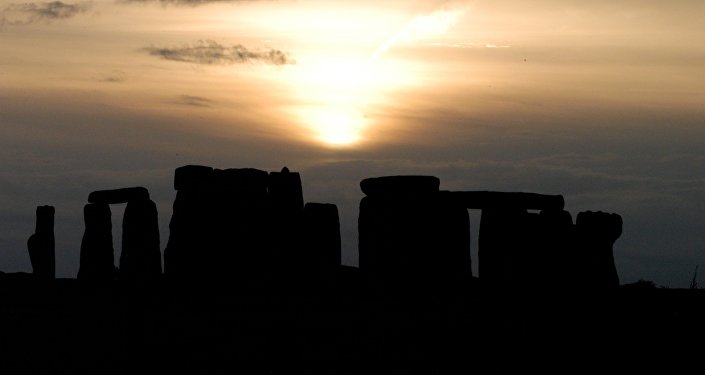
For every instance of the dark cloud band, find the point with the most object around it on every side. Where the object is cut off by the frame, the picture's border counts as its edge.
(212, 53)
(28, 13)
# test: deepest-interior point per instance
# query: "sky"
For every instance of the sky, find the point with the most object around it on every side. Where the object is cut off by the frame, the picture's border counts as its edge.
(602, 102)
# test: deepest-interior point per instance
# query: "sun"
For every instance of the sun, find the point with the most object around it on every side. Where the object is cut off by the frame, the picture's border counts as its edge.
(335, 94)
(333, 87)
(339, 126)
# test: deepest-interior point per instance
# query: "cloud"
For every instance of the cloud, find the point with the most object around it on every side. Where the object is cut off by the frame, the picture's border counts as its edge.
(117, 76)
(194, 101)
(29, 13)
(209, 52)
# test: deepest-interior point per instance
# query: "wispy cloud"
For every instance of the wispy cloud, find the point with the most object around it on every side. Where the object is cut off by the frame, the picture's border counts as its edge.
(28, 13)
(194, 101)
(209, 52)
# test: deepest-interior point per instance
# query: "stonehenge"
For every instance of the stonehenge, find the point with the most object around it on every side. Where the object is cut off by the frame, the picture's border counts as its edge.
(245, 227)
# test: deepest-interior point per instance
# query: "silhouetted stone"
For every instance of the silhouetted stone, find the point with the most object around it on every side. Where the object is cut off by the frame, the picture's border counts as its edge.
(97, 245)
(285, 190)
(141, 257)
(241, 181)
(554, 249)
(502, 200)
(596, 233)
(189, 234)
(192, 177)
(321, 251)
(218, 229)
(41, 244)
(399, 185)
(414, 242)
(502, 243)
(116, 196)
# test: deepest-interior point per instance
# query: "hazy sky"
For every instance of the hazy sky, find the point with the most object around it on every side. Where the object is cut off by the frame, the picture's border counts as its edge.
(602, 101)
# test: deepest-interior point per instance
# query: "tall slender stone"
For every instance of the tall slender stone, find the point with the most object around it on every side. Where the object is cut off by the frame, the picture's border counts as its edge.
(97, 245)
(140, 258)
(41, 244)
(596, 233)
(285, 222)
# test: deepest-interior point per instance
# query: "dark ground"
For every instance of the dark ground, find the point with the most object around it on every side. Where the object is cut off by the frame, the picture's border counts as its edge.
(66, 326)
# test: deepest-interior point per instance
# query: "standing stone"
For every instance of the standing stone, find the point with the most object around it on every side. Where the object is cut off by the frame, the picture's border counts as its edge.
(321, 253)
(140, 258)
(237, 212)
(285, 222)
(187, 233)
(241, 181)
(596, 233)
(412, 237)
(501, 245)
(192, 177)
(97, 245)
(189, 244)
(553, 264)
(41, 244)
(218, 228)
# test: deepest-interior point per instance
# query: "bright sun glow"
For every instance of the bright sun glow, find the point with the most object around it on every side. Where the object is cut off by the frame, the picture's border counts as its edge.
(336, 88)
(336, 126)
(337, 92)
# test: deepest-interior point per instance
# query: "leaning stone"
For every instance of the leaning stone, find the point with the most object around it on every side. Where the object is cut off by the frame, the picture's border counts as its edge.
(394, 185)
(41, 244)
(116, 196)
(191, 223)
(97, 245)
(192, 177)
(596, 233)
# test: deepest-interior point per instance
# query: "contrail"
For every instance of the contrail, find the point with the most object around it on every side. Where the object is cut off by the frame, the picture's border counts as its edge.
(437, 22)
